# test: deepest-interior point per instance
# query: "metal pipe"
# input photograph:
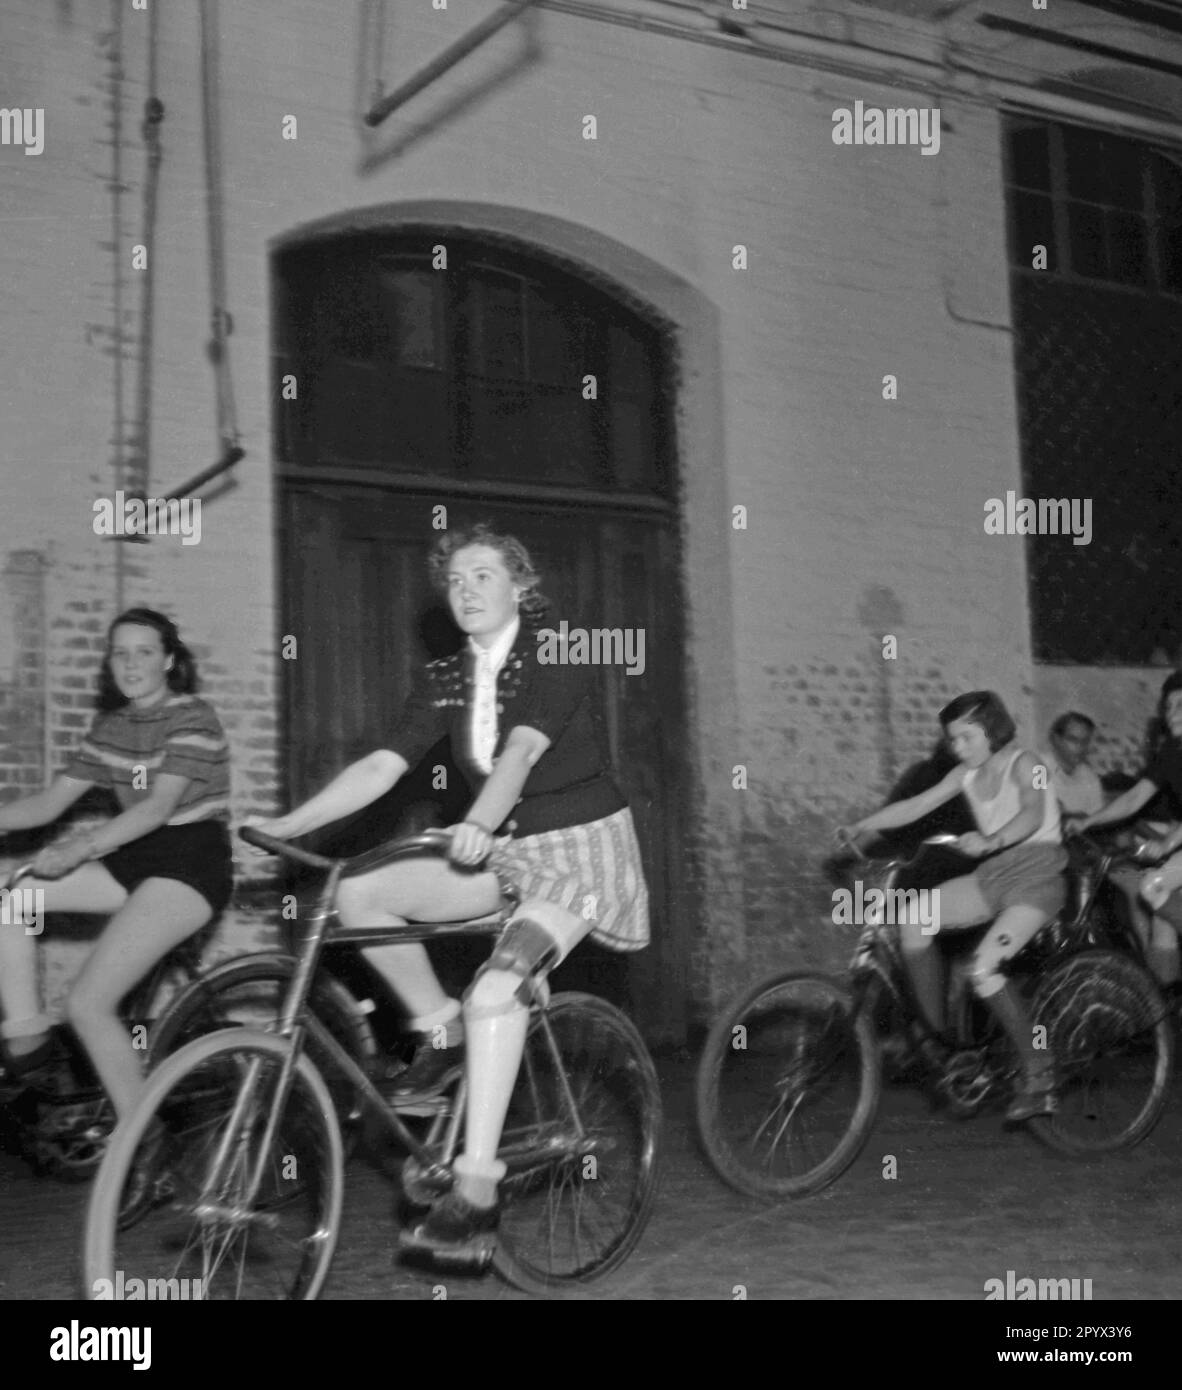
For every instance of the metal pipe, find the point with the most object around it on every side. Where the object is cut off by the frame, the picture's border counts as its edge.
(232, 456)
(447, 59)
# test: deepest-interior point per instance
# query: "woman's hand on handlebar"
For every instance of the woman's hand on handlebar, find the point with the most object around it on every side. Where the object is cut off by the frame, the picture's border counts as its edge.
(279, 826)
(852, 834)
(974, 844)
(471, 844)
(56, 861)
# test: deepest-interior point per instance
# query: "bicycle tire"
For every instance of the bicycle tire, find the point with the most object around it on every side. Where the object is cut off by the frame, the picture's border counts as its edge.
(207, 1004)
(1106, 1023)
(768, 1048)
(572, 1219)
(189, 1092)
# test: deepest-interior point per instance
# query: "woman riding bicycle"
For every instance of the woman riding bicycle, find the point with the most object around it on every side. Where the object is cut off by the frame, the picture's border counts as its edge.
(1019, 883)
(161, 868)
(526, 732)
(1163, 775)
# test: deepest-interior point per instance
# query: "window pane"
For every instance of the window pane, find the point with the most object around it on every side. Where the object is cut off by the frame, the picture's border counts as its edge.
(1031, 224)
(531, 432)
(497, 348)
(1086, 229)
(409, 303)
(565, 442)
(631, 393)
(556, 332)
(346, 410)
(1169, 255)
(1030, 165)
(1128, 249)
(415, 423)
(344, 318)
(1167, 188)
(633, 443)
(1102, 169)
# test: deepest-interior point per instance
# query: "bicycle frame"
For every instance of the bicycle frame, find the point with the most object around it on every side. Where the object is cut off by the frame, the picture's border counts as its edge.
(296, 1021)
(878, 954)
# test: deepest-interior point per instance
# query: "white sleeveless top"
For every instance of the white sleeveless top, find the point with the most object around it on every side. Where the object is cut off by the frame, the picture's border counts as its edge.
(991, 815)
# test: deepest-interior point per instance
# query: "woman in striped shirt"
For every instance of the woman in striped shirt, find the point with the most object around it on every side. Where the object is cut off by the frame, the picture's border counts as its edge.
(160, 869)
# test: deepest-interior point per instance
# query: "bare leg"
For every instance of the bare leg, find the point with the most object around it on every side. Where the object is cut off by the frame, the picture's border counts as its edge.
(419, 890)
(89, 888)
(159, 915)
(1013, 929)
(960, 905)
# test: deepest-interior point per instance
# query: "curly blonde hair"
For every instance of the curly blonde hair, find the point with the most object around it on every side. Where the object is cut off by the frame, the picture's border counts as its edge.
(516, 559)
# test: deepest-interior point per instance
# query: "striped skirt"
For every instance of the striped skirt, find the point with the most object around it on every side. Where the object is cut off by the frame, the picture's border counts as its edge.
(593, 871)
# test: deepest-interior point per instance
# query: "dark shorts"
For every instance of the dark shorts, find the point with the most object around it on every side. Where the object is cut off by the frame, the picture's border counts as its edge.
(198, 855)
(1024, 876)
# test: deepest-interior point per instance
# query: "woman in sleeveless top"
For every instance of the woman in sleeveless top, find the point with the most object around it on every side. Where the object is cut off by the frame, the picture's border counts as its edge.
(1019, 882)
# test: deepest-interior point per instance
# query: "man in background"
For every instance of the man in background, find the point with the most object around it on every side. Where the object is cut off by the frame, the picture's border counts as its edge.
(1075, 783)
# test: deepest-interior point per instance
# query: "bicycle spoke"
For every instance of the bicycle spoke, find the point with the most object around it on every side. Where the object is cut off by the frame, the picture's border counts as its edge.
(786, 1087)
(273, 1242)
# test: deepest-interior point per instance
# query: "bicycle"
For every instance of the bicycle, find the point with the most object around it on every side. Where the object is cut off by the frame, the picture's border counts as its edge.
(248, 991)
(791, 1075)
(242, 1139)
(61, 1114)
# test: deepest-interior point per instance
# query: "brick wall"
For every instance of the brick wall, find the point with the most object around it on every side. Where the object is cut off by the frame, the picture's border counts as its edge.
(864, 515)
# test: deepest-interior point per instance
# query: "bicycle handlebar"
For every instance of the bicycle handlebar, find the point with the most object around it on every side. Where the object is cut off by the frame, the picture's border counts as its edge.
(427, 841)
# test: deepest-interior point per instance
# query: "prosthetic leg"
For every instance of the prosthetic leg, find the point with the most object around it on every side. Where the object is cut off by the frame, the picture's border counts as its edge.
(460, 1228)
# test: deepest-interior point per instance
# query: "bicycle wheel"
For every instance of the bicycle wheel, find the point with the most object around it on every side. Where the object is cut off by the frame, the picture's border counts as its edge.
(787, 1087)
(248, 992)
(581, 1141)
(1113, 1047)
(201, 1234)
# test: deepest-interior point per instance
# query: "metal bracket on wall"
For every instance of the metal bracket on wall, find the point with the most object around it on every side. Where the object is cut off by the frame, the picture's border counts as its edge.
(234, 454)
(450, 56)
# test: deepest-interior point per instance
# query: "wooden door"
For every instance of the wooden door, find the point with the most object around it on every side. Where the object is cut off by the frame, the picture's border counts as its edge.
(358, 601)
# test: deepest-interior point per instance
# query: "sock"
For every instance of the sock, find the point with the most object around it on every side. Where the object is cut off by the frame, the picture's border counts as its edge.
(446, 1013)
(24, 1035)
(477, 1185)
(445, 1034)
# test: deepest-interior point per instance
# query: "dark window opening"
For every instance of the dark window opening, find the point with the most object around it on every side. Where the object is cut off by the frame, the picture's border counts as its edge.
(479, 371)
(1098, 357)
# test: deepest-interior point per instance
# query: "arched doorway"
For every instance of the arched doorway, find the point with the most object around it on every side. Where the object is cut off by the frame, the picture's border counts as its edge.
(499, 384)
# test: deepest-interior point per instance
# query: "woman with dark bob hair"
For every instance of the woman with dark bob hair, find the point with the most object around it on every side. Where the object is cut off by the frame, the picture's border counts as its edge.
(548, 819)
(1019, 882)
(160, 869)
